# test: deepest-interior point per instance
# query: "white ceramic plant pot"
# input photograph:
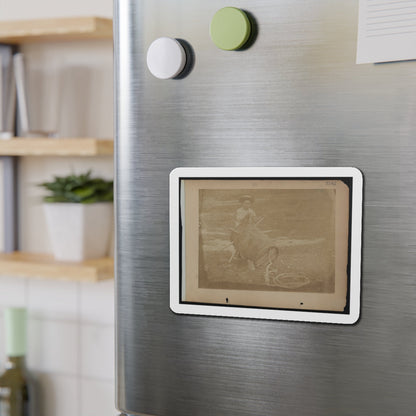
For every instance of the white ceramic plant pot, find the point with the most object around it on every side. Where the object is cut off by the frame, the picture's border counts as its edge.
(79, 231)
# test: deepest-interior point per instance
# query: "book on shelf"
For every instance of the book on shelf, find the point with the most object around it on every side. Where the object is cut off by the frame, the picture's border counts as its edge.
(7, 92)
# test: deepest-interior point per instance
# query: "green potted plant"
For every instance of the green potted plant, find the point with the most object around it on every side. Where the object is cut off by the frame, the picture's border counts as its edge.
(79, 216)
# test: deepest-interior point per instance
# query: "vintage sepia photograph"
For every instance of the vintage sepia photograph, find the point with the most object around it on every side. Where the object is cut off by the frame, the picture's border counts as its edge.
(271, 243)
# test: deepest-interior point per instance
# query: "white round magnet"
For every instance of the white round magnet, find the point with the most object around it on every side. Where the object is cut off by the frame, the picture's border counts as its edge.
(166, 58)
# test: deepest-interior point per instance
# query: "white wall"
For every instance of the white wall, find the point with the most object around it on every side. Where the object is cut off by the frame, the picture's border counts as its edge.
(71, 336)
(34, 9)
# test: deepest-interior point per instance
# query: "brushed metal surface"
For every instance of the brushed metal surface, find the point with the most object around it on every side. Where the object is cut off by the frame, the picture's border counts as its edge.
(295, 98)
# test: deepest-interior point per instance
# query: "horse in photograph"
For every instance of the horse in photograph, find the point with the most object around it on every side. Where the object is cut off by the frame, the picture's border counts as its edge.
(256, 247)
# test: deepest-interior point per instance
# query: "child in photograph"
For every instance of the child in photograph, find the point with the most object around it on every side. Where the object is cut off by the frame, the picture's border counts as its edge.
(245, 214)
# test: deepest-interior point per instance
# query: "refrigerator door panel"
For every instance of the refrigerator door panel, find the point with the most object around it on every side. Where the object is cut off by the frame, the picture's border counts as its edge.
(294, 98)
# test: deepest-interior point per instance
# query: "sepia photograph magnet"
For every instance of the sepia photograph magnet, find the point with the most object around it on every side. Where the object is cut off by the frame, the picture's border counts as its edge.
(268, 243)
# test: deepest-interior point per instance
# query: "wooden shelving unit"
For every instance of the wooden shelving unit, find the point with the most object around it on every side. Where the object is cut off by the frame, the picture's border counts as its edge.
(56, 147)
(44, 266)
(40, 265)
(40, 30)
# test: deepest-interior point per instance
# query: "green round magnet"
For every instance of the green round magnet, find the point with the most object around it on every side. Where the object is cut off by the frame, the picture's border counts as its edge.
(230, 28)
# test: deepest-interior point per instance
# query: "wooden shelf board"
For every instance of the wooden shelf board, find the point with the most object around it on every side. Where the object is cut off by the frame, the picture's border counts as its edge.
(19, 146)
(44, 266)
(39, 30)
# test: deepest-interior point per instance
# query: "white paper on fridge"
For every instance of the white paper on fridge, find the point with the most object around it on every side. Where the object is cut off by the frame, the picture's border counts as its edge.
(386, 31)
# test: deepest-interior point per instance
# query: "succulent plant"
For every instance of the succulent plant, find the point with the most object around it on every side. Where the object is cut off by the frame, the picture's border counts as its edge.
(82, 189)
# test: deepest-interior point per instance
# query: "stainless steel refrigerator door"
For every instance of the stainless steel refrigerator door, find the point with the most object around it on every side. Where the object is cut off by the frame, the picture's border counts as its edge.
(295, 98)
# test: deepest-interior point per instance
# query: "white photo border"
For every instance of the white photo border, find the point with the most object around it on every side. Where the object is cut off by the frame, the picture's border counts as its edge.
(270, 173)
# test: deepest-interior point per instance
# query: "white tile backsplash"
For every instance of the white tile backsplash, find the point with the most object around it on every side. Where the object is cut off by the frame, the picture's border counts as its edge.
(53, 299)
(54, 346)
(56, 395)
(70, 361)
(97, 352)
(97, 398)
(97, 302)
(12, 292)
